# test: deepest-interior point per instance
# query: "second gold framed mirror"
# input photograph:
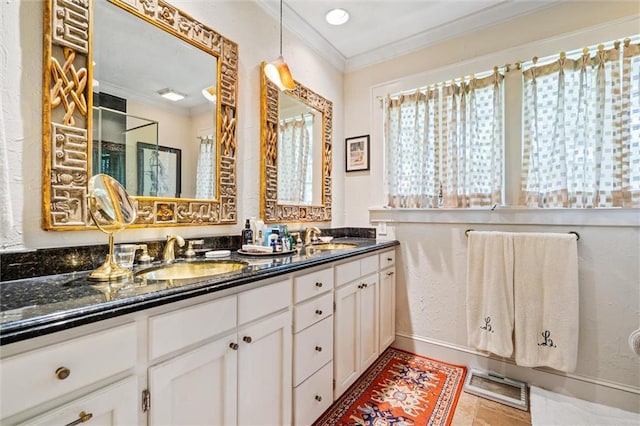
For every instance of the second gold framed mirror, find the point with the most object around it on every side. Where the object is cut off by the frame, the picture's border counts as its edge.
(306, 170)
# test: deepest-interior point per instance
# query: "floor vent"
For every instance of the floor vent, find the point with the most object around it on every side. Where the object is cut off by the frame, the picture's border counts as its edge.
(497, 388)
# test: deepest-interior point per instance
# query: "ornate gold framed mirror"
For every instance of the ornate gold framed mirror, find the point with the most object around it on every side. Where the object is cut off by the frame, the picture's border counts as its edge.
(72, 114)
(295, 194)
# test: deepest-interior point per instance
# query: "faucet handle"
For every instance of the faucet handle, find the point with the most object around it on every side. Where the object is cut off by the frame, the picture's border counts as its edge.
(144, 257)
(190, 253)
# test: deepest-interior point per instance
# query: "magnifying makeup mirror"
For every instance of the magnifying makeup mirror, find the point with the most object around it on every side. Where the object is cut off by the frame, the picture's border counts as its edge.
(112, 210)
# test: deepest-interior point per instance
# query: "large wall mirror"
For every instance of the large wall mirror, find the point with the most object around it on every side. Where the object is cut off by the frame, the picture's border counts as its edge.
(142, 92)
(296, 154)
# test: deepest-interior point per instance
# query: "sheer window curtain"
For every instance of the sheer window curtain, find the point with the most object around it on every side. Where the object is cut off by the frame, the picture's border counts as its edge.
(472, 153)
(205, 169)
(411, 143)
(444, 145)
(294, 148)
(581, 133)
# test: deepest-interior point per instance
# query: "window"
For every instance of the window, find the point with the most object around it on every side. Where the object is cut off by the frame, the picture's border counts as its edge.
(581, 129)
(444, 144)
(578, 119)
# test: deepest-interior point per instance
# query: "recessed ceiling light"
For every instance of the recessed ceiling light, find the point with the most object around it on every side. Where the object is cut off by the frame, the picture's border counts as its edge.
(170, 94)
(337, 16)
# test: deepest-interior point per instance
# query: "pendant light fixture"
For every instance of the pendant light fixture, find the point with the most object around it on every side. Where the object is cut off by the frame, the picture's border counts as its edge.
(278, 71)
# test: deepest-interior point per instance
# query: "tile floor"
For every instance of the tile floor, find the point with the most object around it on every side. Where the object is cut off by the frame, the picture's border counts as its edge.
(476, 411)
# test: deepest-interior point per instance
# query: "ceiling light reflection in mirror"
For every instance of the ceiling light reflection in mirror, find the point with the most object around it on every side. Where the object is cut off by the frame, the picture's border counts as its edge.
(141, 65)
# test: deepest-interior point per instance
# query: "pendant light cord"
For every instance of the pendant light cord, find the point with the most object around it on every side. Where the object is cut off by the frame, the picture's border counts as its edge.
(280, 27)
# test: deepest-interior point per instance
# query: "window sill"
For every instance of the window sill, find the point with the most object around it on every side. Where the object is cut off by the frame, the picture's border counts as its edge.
(616, 217)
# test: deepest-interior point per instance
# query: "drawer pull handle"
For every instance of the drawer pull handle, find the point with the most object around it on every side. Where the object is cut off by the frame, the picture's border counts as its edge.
(319, 348)
(247, 339)
(389, 273)
(360, 286)
(318, 312)
(62, 373)
(390, 259)
(82, 417)
(318, 398)
(318, 284)
(233, 346)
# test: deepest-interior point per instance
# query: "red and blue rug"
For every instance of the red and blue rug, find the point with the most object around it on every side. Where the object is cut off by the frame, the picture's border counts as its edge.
(399, 389)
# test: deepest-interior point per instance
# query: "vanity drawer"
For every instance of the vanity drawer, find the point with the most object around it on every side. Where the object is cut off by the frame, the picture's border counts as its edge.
(347, 272)
(387, 259)
(262, 301)
(175, 330)
(43, 374)
(312, 348)
(369, 265)
(312, 397)
(353, 270)
(312, 284)
(312, 311)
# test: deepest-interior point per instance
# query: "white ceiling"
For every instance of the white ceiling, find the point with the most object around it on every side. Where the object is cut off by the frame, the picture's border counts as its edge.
(380, 30)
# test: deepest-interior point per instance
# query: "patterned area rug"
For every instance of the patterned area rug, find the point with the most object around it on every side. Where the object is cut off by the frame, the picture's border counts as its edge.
(399, 389)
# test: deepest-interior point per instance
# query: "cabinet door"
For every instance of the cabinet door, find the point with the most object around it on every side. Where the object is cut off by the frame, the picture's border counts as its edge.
(198, 387)
(264, 372)
(113, 405)
(387, 308)
(368, 320)
(346, 334)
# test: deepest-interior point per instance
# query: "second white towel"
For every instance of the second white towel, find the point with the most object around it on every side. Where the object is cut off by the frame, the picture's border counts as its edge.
(490, 292)
(546, 300)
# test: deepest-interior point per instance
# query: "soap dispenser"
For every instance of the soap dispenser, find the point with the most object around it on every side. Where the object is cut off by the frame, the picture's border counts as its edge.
(247, 233)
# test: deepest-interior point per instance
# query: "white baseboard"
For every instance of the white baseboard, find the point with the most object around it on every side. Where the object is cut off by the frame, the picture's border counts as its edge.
(587, 388)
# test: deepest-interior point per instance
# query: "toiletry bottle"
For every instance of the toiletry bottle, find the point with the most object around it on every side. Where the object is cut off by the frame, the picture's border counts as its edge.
(247, 234)
(275, 231)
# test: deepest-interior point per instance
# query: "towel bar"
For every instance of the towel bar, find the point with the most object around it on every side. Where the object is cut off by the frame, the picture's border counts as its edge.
(466, 233)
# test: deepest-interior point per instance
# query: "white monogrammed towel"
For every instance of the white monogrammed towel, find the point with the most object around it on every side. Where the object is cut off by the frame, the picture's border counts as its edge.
(490, 292)
(546, 300)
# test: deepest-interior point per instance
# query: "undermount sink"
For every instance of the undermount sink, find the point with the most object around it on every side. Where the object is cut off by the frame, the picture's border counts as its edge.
(333, 246)
(187, 270)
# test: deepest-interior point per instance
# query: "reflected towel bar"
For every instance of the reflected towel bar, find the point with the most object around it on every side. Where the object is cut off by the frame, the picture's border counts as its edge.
(466, 233)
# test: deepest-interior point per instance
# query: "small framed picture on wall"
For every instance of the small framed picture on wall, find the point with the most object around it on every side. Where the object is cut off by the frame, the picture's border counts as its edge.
(357, 153)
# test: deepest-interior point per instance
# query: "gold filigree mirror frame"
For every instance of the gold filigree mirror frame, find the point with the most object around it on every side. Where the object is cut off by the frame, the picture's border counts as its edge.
(271, 210)
(67, 104)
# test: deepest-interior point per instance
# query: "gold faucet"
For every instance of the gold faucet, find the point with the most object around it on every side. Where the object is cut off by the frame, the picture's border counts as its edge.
(311, 234)
(169, 253)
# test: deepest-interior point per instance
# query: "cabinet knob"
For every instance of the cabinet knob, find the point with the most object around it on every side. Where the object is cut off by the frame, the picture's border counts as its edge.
(318, 284)
(364, 285)
(318, 398)
(360, 286)
(233, 346)
(319, 348)
(389, 259)
(62, 373)
(82, 417)
(246, 339)
(318, 312)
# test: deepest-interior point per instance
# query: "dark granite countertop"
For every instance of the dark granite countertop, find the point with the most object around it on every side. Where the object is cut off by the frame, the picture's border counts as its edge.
(37, 306)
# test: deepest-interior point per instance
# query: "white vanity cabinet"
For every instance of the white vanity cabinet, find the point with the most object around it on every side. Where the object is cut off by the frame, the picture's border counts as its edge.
(387, 299)
(355, 320)
(273, 352)
(313, 345)
(235, 360)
